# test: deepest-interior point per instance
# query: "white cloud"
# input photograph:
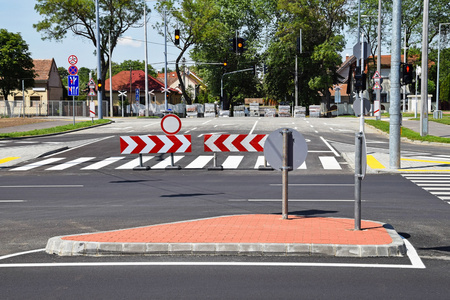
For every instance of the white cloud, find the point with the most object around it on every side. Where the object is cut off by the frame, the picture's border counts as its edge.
(129, 41)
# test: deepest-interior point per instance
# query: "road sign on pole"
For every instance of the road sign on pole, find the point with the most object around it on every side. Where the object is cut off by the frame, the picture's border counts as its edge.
(137, 95)
(73, 85)
(285, 149)
(171, 124)
(72, 60)
(73, 70)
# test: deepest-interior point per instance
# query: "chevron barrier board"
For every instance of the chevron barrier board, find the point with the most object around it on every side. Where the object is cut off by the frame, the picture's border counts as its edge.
(141, 144)
(234, 142)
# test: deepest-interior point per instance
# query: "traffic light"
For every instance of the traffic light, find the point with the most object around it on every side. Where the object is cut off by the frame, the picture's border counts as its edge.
(177, 37)
(360, 80)
(254, 69)
(407, 73)
(99, 85)
(266, 69)
(240, 45)
(225, 63)
(233, 45)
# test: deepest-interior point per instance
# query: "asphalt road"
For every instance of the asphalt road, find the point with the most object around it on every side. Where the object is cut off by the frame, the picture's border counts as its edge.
(39, 204)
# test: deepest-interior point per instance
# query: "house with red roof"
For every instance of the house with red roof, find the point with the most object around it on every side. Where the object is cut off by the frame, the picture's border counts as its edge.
(129, 81)
(345, 87)
(192, 81)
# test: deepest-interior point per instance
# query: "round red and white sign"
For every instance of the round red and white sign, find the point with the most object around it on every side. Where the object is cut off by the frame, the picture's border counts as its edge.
(73, 60)
(171, 124)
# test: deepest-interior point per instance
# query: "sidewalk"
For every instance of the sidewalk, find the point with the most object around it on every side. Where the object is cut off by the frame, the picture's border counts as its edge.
(240, 235)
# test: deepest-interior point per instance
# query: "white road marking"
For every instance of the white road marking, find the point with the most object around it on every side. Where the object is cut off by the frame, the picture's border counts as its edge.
(200, 162)
(232, 162)
(148, 125)
(329, 163)
(37, 164)
(70, 163)
(103, 163)
(167, 162)
(260, 162)
(302, 166)
(134, 163)
(253, 128)
(42, 186)
(315, 184)
(303, 200)
(416, 263)
(330, 147)
(88, 143)
(12, 201)
(206, 122)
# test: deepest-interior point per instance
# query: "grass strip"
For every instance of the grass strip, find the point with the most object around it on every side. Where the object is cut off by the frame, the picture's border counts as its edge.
(408, 133)
(56, 129)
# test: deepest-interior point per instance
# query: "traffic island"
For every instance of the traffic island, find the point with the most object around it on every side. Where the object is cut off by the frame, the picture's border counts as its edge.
(261, 235)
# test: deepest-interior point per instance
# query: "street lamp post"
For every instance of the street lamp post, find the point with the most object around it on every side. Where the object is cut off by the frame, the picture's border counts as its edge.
(437, 114)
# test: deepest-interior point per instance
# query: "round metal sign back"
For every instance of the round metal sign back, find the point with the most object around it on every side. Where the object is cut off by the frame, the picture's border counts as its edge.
(171, 124)
(297, 149)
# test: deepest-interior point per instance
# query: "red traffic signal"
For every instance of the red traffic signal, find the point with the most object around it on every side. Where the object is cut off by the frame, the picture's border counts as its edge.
(407, 73)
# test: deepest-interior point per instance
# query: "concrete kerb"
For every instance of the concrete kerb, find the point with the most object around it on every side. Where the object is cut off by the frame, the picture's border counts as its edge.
(59, 246)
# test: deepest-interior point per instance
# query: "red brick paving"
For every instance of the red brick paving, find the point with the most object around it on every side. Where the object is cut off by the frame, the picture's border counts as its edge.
(250, 229)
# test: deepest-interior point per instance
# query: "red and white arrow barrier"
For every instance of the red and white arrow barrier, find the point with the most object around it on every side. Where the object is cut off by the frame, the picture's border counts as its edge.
(155, 144)
(234, 142)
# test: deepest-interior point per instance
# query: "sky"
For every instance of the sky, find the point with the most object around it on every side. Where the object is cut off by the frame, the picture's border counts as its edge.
(18, 16)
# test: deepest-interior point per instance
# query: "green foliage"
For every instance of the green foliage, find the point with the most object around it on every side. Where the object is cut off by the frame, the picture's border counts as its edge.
(78, 17)
(15, 63)
(407, 133)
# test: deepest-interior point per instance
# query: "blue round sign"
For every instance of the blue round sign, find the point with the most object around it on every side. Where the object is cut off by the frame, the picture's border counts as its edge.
(73, 70)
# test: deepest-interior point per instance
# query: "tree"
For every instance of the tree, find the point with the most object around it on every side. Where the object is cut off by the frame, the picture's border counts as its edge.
(197, 21)
(320, 21)
(61, 16)
(16, 63)
(249, 19)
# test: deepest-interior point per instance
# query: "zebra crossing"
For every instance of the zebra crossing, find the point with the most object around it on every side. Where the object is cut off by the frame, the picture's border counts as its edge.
(230, 162)
(436, 184)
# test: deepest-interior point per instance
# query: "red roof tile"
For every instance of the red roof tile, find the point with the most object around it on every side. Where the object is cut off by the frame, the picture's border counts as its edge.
(121, 81)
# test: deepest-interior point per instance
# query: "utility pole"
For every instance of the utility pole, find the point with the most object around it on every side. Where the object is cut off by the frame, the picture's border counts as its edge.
(378, 91)
(146, 61)
(424, 85)
(394, 111)
(99, 65)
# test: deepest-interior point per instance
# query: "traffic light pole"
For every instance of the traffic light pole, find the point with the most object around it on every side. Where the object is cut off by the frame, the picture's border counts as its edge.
(228, 73)
(99, 66)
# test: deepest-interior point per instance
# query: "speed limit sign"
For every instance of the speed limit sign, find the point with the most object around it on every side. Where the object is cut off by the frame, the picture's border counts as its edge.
(73, 60)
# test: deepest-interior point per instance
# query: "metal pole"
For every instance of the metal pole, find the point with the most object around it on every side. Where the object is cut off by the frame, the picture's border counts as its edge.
(439, 54)
(404, 86)
(358, 179)
(394, 111)
(110, 79)
(73, 109)
(424, 87)
(285, 169)
(23, 98)
(99, 66)
(438, 116)
(146, 62)
(378, 91)
(166, 107)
